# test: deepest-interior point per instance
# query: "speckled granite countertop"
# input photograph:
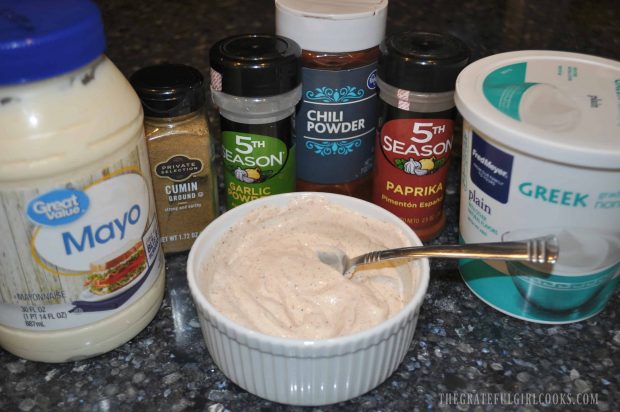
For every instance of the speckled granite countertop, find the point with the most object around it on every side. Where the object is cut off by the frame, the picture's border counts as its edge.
(461, 345)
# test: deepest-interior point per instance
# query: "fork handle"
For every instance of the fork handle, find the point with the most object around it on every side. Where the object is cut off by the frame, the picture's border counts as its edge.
(537, 250)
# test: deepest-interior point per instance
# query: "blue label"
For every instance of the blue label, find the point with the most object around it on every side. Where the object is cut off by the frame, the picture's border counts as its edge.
(491, 169)
(335, 125)
(58, 207)
(371, 81)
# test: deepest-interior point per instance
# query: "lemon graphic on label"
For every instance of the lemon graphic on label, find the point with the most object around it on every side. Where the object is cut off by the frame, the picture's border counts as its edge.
(427, 164)
(253, 174)
(247, 175)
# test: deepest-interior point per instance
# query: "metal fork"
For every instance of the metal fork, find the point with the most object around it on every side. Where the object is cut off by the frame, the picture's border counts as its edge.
(537, 250)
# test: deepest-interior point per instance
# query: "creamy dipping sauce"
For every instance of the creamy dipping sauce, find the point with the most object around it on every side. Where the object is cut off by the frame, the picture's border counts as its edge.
(265, 273)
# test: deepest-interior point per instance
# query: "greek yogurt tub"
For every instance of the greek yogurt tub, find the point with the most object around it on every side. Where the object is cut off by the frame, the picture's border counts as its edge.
(541, 154)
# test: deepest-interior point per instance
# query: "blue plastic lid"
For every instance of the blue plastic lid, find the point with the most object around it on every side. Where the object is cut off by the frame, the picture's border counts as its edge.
(43, 38)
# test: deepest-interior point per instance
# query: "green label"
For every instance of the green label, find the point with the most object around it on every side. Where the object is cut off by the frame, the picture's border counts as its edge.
(256, 166)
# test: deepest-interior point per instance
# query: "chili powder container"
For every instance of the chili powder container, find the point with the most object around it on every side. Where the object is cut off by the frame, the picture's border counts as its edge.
(417, 74)
(255, 83)
(336, 120)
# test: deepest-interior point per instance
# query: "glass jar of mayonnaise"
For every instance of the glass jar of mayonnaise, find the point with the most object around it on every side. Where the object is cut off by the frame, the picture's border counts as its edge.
(82, 269)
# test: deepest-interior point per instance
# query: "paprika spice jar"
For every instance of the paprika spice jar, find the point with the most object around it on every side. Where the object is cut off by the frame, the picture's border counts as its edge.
(417, 74)
(336, 120)
(180, 151)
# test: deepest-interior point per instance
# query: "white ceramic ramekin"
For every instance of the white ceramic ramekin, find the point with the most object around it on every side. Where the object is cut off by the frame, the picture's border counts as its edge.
(305, 372)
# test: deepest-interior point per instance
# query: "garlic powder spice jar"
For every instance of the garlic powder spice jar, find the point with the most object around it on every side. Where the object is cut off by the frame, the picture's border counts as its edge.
(255, 84)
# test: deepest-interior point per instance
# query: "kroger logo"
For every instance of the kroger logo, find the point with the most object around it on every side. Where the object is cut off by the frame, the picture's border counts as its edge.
(371, 81)
(58, 207)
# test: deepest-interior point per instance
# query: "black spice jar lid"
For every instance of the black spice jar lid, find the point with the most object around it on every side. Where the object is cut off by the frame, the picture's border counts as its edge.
(255, 65)
(422, 61)
(169, 90)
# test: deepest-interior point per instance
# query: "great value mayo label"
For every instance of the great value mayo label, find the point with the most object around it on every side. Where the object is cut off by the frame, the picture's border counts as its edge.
(80, 250)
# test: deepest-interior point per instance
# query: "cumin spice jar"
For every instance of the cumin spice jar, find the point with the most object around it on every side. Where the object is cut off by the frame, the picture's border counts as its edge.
(336, 120)
(180, 151)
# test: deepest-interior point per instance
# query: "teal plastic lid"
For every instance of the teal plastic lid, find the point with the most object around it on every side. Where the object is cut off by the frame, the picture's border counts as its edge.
(558, 106)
